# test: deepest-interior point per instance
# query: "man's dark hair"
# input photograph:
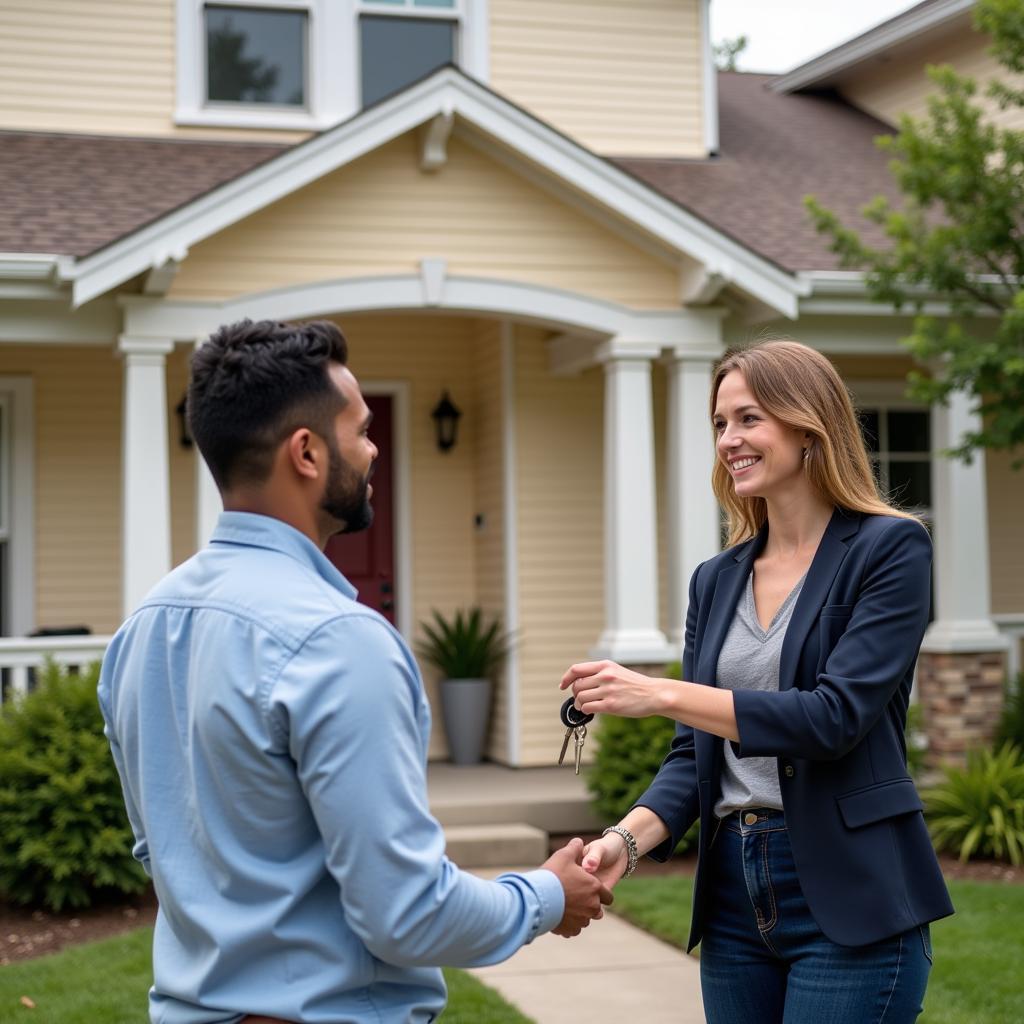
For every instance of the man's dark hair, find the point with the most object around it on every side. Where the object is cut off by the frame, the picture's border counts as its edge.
(253, 384)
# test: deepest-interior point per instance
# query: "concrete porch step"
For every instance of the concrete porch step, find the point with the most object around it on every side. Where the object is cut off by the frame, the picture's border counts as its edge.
(488, 846)
(554, 800)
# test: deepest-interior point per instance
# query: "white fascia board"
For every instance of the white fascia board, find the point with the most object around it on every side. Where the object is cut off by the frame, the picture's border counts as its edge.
(842, 292)
(873, 42)
(43, 322)
(33, 275)
(33, 266)
(448, 91)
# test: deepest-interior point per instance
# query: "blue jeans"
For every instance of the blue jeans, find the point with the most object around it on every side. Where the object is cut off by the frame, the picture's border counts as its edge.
(763, 959)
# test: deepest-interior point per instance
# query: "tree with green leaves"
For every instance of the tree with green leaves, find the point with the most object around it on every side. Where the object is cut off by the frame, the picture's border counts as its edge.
(957, 237)
(727, 52)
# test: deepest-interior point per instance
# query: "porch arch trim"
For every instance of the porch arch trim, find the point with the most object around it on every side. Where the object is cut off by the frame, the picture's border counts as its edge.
(187, 320)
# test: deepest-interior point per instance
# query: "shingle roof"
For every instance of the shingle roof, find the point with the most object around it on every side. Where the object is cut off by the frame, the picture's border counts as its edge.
(775, 149)
(74, 194)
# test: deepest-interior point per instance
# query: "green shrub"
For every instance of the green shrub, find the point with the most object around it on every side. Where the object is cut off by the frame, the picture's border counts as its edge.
(629, 754)
(978, 811)
(66, 838)
(1011, 722)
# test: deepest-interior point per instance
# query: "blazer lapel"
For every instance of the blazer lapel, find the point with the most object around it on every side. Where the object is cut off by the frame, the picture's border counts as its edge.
(728, 588)
(824, 566)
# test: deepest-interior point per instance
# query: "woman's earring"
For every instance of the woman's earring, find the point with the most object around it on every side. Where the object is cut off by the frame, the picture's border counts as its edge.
(807, 451)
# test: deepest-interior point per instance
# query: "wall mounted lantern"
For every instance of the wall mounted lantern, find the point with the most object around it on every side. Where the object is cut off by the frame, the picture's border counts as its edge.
(184, 434)
(446, 423)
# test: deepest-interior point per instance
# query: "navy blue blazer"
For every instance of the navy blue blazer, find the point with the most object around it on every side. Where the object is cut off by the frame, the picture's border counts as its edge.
(863, 856)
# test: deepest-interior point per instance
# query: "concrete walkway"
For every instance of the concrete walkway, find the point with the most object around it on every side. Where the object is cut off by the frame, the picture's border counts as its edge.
(613, 973)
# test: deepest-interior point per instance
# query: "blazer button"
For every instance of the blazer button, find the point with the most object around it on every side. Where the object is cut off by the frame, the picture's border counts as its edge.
(789, 771)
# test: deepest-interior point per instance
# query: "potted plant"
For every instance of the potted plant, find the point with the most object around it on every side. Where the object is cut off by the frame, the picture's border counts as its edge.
(468, 653)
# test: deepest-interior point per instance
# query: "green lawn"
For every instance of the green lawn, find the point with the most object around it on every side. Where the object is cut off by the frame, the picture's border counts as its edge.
(978, 952)
(106, 983)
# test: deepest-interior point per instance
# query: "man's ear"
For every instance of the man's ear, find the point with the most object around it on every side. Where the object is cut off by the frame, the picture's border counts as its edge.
(303, 450)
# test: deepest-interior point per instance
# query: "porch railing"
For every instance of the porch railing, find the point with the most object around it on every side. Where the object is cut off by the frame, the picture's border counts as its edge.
(21, 657)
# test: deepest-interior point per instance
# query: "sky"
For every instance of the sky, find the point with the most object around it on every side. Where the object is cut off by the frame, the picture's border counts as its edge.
(784, 33)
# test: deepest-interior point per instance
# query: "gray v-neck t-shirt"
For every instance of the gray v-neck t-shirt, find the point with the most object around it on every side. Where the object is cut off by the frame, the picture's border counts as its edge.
(749, 660)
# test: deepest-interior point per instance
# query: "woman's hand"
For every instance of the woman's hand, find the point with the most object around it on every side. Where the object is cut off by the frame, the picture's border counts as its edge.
(606, 858)
(608, 688)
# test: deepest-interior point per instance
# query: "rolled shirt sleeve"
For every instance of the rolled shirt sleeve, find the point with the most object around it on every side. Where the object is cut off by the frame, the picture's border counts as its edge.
(350, 707)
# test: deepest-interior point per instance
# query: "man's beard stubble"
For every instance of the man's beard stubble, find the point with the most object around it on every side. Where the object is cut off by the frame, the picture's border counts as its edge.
(345, 500)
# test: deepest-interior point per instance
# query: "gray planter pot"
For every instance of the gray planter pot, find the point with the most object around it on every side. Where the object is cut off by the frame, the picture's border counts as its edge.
(466, 712)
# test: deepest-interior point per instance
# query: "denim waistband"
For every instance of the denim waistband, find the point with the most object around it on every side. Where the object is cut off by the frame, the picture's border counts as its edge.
(755, 819)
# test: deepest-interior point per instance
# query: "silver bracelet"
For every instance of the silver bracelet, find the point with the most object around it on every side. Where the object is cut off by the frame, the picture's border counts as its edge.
(632, 854)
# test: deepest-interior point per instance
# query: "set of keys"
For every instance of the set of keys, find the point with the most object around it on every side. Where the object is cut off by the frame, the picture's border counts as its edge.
(575, 722)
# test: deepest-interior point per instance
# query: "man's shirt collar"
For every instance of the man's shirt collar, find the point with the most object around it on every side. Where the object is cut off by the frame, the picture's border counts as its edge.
(249, 529)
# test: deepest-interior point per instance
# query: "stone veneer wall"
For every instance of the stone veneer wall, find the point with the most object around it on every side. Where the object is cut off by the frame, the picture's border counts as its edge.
(961, 698)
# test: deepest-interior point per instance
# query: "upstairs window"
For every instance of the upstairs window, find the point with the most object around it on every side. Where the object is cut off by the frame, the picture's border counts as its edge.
(404, 42)
(306, 65)
(256, 55)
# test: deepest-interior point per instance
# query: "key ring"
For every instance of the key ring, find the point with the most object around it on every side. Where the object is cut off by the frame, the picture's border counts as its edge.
(572, 717)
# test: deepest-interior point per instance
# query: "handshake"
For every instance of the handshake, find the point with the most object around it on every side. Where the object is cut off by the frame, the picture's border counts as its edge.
(587, 874)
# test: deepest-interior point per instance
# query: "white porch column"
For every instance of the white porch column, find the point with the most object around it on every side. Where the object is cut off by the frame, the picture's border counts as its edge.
(962, 666)
(631, 633)
(145, 479)
(963, 620)
(694, 533)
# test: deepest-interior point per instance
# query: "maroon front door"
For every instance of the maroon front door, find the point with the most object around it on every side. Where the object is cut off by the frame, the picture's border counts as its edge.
(368, 558)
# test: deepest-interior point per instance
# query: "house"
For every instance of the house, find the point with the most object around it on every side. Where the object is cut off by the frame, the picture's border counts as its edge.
(553, 211)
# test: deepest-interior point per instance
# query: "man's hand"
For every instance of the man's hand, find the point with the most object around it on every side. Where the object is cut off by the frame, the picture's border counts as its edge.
(606, 858)
(585, 894)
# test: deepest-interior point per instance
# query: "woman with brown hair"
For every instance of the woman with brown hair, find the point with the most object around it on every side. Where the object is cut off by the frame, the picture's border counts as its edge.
(816, 878)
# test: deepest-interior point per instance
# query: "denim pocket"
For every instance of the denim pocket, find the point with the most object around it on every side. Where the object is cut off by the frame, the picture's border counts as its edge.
(926, 940)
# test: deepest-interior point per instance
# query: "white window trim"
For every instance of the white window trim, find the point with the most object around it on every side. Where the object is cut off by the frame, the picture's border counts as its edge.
(886, 396)
(710, 82)
(19, 491)
(332, 81)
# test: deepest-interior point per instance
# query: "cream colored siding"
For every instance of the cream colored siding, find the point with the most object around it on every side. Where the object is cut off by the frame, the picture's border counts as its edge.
(99, 66)
(382, 215)
(624, 77)
(77, 484)
(490, 527)
(561, 560)
(87, 65)
(901, 85)
(182, 461)
(430, 354)
(1005, 537)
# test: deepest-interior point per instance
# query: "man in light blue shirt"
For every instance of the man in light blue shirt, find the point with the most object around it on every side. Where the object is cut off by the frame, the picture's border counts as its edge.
(271, 734)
